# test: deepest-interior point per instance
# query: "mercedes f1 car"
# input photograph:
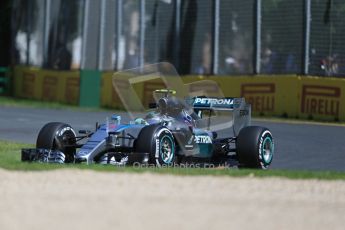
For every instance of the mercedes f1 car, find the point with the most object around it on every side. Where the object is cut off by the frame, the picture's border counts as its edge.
(169, 135)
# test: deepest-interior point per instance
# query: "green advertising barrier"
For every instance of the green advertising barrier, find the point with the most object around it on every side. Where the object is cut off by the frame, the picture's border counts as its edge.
(90, 85)
(4, 81)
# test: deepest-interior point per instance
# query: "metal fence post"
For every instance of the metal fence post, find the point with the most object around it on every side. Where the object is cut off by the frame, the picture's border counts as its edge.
(118, 32)
(307, 19)
(257, 57)
(28, 32)
(142, 33)
(101, 34)
(85, 26)
(177, 33)
(46, 31)
(215, 40)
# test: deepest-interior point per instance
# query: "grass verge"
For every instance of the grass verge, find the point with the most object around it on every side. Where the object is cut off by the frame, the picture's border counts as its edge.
(10, 160)
(27, 103)
(11, 101)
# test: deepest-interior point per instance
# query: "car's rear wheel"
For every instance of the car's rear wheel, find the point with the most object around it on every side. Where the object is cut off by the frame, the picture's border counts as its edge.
(58, 136)
(255, 147)
(159, 142)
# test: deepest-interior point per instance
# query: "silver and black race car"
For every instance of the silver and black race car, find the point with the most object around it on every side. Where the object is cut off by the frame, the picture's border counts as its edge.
(193, 124)
(175, 132)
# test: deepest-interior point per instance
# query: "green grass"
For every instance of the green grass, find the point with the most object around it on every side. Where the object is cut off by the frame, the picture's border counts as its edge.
(10, 160)
(28, 103)
(10, 101)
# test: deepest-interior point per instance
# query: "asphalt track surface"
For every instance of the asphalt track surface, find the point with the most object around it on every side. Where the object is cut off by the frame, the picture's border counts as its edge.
(298, 146)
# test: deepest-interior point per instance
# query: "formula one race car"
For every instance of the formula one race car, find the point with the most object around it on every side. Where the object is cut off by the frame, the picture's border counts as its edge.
(169, 135)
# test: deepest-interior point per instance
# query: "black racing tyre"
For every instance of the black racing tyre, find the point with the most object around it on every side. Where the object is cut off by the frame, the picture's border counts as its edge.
(159, 142)
(255, 147)
(56, 136)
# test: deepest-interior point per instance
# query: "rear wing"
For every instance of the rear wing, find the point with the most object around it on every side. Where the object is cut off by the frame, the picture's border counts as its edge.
(213, 103)
(240, 110)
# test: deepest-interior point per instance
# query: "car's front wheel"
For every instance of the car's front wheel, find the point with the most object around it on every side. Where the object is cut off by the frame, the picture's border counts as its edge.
(159, 142)
(58, 136)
